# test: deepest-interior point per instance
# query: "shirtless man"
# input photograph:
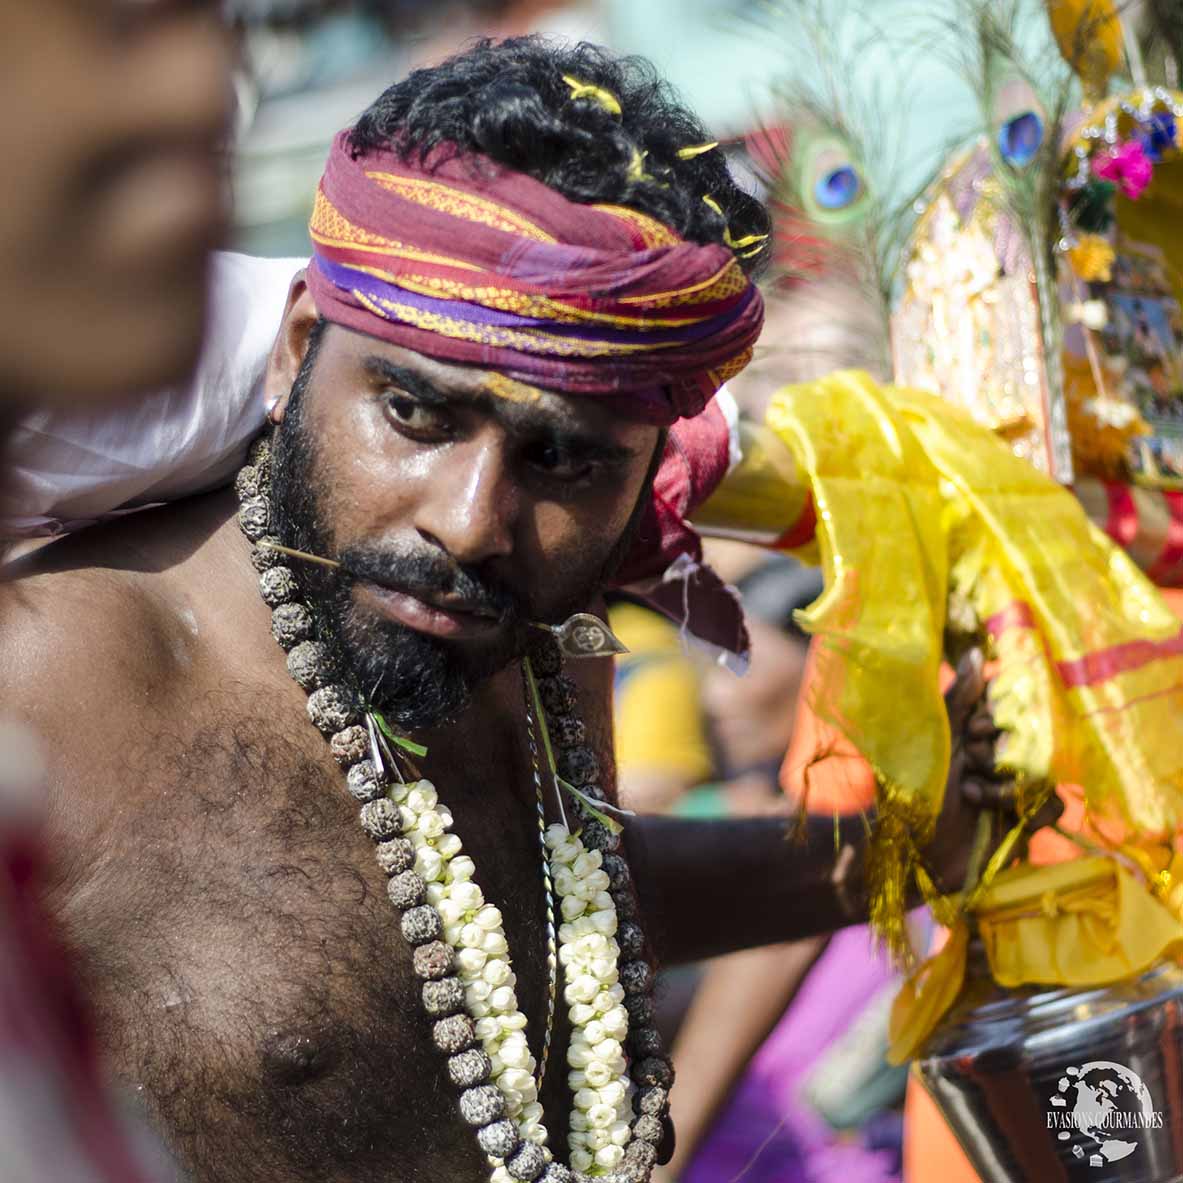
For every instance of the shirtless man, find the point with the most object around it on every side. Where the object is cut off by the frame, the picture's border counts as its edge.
(251, 978)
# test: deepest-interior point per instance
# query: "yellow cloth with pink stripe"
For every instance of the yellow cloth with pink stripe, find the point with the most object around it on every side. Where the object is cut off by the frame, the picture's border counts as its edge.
(924, 520)
(918, 507)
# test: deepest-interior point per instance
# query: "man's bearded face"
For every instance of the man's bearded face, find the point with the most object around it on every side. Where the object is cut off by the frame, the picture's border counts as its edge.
(461, 508)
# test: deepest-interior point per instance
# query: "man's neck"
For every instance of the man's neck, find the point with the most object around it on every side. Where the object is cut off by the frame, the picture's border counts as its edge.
(496, 707)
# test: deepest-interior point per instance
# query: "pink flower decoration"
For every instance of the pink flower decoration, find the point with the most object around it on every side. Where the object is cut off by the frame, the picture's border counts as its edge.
(1127, 166)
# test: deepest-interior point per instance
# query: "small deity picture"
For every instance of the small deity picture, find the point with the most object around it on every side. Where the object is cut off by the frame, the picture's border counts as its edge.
(1140, 330)
(1143, 343)
(1158, 460)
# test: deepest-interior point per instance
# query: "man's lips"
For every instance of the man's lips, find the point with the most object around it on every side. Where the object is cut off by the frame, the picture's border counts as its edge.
(439, 617)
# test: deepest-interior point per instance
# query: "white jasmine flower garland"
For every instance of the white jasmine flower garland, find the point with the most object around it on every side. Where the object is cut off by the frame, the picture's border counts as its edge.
(589, 955)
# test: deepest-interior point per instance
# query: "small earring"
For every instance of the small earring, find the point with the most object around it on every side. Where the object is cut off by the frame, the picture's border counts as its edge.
(583, 635)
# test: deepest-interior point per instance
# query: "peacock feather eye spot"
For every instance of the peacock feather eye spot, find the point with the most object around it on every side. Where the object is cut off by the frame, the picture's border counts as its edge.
(838, 188)
(1020, 138)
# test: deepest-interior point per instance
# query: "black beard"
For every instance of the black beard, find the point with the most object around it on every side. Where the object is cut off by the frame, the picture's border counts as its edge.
(416, 681)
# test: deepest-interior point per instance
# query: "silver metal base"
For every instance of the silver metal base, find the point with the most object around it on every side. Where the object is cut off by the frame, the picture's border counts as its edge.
(1065, 1086)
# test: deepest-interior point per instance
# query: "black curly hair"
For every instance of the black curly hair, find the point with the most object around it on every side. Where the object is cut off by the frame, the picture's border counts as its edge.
(507, 100)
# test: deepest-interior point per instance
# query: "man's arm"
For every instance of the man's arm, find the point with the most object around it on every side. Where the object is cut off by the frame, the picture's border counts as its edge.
(712, 887)
(707, 888)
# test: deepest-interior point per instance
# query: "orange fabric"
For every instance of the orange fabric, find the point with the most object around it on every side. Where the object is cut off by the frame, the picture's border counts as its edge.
(1174, 599)
(931, 1152)
(822, 769)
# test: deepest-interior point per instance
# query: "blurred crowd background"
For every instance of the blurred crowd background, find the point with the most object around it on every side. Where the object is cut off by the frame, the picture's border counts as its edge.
(308, 66)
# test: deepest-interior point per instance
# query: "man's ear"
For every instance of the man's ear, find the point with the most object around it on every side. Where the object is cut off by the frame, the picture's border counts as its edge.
(291, 344)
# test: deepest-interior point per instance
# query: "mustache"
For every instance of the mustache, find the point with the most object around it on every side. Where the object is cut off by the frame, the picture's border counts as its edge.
(427, 573)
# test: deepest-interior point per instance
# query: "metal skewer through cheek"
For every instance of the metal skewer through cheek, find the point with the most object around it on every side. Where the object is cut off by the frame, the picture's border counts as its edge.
(579, 636)
(291, 552)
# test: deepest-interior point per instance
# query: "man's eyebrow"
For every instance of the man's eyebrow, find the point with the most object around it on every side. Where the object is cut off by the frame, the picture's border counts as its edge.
(407, 380)
(523, 418)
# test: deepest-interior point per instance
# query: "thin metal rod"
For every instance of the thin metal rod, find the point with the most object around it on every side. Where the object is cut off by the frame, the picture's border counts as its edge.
(297, 554)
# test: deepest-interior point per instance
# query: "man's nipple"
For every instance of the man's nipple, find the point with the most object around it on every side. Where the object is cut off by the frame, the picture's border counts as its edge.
(291, 1058)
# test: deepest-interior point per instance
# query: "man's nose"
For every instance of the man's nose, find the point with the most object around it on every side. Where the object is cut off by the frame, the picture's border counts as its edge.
(473, 506)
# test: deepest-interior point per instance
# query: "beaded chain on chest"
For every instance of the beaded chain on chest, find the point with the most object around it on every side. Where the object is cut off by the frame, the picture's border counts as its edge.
(618, 1072)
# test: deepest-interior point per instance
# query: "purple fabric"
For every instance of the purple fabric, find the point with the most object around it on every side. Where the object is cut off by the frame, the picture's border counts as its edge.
(378, 290)
(767, 1133)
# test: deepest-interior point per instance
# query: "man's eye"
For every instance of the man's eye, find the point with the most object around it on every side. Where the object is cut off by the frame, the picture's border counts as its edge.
(559, 464)
(407, 412)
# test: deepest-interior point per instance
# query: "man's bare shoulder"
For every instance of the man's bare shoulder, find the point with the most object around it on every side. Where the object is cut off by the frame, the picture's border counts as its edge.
(96, 623)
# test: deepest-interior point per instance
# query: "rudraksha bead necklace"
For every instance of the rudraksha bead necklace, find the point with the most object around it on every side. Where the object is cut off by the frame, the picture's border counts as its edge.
(619, 1115)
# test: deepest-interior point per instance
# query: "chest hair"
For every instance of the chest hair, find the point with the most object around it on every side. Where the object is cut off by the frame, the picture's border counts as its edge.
(250, 979)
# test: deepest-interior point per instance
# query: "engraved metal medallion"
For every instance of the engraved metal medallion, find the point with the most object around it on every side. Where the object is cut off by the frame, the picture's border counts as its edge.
(584, 635)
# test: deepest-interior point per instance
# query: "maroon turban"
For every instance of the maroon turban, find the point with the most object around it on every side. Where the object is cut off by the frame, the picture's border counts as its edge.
(467, 261)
